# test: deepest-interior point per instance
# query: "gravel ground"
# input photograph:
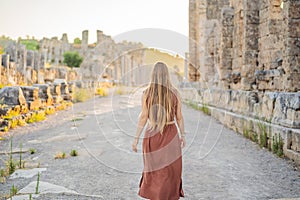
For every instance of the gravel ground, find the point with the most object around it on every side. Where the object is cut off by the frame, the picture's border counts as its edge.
(217, 162)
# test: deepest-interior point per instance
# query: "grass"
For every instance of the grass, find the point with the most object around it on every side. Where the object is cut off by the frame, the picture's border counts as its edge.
(11, 163)
(15, 119)
(2, 176)
(263, 136)
(20, 160)
(13, 123)
(13, 190)
(245, 132)
(77, 119)
(119, 91)
(81, 94)
(193, 105)
(50, 110)
(254, 137)
(32, 151)
(204, 108)
(60, 155)
(21, 122)
(73, 153)
(101, 91)
(13, 112)
(5, 129)
(36, 117)
(37, 184)
(277, 145)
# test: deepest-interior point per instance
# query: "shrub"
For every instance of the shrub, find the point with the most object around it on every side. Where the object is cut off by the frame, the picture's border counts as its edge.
(119, 91)
(73, 153)
(50, 110)
(82, 95)
(60, 155)
(32, 151)
(14, 123)
(102, 91)
(36, 117)
(21, 122)
(72, 59)
(31, 44)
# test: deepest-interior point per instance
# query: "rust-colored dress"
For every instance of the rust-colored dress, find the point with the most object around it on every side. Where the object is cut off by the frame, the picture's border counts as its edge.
(161, 178)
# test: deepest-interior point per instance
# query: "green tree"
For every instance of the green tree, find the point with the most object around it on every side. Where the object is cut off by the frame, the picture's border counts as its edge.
(30, 44)
(77, 41)
(72, 59)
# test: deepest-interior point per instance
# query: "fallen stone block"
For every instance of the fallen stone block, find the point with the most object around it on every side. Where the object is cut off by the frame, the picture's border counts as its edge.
(12, 96)
(45, 94)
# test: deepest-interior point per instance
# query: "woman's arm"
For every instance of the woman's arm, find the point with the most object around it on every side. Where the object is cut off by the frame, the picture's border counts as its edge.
(180, 121)
(143, 117)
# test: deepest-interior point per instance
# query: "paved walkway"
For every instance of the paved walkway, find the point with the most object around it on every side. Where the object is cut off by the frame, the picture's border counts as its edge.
(218, 163)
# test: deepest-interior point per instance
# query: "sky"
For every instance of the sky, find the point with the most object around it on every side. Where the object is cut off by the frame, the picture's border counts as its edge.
(50, 18)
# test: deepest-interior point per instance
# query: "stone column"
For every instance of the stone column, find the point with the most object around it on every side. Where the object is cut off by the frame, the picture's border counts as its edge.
(197, 10)
(132, 71)
(64, 38)
(270, 45)
(291, 59)
(237, 43)
(250, 17)
(7, 66)
(100, 36)
(226, 49)
(30, 58)
(186, 65)
(123, 69)
(127, 70)
(85, 41)
(38, 67)
(65, 45)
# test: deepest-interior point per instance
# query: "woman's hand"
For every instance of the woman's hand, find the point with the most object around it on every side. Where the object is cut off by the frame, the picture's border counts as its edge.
(183, 142)
(134, 144)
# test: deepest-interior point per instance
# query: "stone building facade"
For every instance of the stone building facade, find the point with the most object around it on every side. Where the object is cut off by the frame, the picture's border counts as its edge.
(244, 60)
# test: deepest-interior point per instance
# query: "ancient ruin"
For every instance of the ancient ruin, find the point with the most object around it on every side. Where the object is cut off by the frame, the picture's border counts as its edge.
(22, 66)
(244, 60)
(37, 80)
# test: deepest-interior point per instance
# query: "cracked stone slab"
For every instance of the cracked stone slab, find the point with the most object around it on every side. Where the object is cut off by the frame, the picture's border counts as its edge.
(45, 188)
(24, 197)
(287, 199)
(60, 138)
(26, 173)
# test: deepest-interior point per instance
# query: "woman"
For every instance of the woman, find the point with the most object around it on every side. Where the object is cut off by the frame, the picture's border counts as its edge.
(161, 107)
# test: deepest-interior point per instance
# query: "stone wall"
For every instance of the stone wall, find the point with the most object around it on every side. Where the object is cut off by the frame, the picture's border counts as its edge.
(34, 65)
(97, 56)
(247, 54)
(245, 44)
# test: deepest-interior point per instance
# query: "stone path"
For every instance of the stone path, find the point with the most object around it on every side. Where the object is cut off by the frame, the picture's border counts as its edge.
(218, 163)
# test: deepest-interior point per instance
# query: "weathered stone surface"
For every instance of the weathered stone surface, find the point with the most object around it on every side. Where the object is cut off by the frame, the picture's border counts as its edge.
(26, 173)
(45, 93)
(252, 17)
(12, 96)
(287, 110)
(56, 93)
(31, 95)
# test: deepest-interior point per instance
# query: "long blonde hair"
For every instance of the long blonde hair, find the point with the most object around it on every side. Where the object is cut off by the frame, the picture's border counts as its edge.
(159, 97)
